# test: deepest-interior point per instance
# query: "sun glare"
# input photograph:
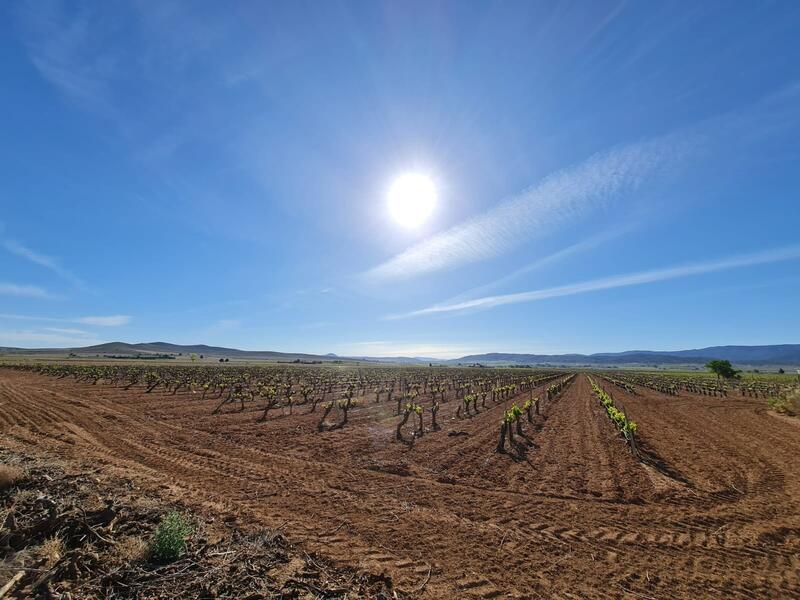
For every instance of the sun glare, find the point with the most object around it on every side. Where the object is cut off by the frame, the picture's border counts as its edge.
(412, 198)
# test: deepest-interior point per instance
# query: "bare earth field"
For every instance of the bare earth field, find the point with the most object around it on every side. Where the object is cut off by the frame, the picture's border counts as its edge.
(714, 511)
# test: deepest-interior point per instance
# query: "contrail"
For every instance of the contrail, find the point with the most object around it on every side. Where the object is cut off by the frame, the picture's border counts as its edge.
(642, 277)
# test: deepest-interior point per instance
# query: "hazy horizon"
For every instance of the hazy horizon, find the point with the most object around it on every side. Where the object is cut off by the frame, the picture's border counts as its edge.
(777, 358)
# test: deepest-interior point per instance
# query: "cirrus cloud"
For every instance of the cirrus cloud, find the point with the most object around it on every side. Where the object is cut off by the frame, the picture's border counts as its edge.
(107, 321)
(43, 261)
(617, 281)
(45, 339)
(25, 291)
(110, 321)
(560, 198)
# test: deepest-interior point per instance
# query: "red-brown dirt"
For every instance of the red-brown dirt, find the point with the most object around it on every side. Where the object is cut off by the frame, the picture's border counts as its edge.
(568, 514)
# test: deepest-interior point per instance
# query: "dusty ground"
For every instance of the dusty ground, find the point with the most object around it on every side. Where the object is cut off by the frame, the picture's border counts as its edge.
(72, 532)
(569, 514)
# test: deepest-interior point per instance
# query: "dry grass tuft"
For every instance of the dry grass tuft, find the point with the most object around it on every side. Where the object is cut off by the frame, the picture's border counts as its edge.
(788, 405)
(10, 476)
(132, 549)
(51, 551)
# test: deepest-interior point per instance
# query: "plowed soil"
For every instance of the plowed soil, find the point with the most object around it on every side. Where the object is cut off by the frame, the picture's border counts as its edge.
(568, 512)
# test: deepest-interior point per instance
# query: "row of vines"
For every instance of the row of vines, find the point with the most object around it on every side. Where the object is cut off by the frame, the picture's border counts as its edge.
(414, 395)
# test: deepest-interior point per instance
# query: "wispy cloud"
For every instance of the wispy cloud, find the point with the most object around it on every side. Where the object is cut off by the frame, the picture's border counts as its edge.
(578, 191)
(44, 261)
(406, 349)
(25, 291)
(56, 337)
(42, 339)
(228, 323)
(546, 261)
(67, 331)
(107, 321)
(559, 199)
(64, 52)
(318, 324)
(110, 321)
(617, 281)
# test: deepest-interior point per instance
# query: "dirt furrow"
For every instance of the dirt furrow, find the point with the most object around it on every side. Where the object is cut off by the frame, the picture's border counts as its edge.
(567, 511)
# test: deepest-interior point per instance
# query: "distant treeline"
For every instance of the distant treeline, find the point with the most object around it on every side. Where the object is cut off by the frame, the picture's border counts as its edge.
(140, 356)
(297, 361)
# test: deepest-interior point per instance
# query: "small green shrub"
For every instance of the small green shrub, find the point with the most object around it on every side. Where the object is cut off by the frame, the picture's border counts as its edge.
(169, 539)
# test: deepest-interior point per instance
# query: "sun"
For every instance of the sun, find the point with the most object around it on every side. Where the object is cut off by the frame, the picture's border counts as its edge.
(412, 198)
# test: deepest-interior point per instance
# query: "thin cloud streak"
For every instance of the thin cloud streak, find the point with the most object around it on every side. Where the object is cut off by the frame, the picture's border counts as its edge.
(111, 321)
(560, 198)
(67, 331)
(107, 321)
(65, 53)
(38, 339)
(617, 281)
(25, 291)
(382, 348)
(43, 261)
(546, 261)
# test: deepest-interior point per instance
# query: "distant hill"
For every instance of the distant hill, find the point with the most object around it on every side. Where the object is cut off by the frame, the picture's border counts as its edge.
(781, 354)
(777, 355)
(125, 349)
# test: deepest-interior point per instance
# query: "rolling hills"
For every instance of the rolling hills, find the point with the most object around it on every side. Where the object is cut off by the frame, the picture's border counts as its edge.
(777, 355)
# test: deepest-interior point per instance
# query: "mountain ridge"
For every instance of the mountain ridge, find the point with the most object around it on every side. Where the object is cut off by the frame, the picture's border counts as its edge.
(774, 354)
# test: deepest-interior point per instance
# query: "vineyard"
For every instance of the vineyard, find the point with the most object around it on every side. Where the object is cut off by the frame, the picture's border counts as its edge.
(454, 482)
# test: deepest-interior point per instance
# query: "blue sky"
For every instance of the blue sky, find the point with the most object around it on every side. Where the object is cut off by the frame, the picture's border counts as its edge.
(610, 175)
